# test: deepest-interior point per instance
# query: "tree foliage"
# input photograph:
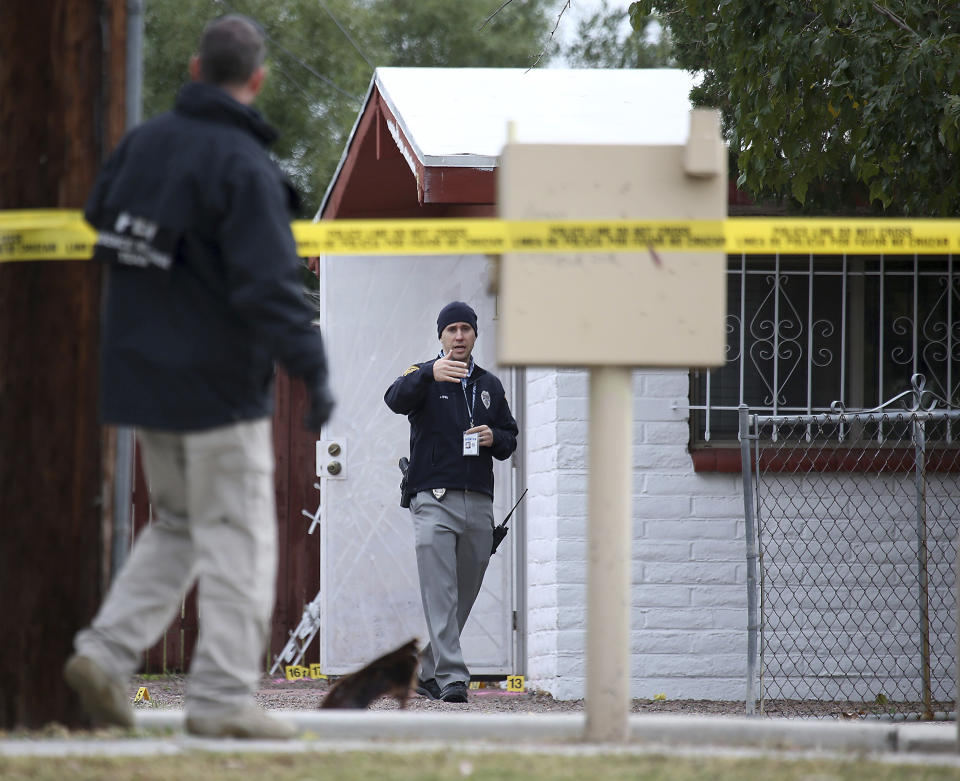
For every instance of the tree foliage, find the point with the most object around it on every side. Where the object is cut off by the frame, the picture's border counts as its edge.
(601, 42)
(830, 102)
(322, 54)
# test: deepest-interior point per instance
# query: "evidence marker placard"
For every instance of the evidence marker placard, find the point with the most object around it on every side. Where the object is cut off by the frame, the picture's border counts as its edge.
(299, 672)
(516, 683)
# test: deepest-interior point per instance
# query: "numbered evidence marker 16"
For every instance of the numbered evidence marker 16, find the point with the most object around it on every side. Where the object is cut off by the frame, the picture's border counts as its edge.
(142, 695)
(298, 672)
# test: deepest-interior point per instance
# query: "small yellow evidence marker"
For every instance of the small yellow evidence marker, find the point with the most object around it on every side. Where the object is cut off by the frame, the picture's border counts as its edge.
(515, 683)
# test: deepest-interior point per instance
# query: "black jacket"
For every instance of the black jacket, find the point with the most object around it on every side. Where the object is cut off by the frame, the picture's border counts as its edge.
(204, 289)
(438, 414)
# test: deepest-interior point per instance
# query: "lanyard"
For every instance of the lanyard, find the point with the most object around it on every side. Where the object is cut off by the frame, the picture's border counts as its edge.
(473, 403)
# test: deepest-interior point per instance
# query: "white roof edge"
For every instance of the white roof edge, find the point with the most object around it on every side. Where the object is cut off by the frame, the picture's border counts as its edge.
(462, 161)
(391, 104)
(346, 150)
(460, 115)
(442, 111)
(465, 160)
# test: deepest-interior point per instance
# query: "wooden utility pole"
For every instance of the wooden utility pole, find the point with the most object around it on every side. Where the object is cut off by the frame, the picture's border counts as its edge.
(61, 110)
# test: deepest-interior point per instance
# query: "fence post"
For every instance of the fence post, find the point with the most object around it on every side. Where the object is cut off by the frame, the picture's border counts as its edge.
(609, 546)
(751, 540)
(920, 448)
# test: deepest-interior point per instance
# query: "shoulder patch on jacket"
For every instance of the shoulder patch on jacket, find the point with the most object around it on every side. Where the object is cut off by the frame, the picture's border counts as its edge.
(411, 370)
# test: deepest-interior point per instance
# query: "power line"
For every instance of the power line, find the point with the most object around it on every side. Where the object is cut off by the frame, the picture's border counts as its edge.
(347, 35)
(289, 77)
(312, 71)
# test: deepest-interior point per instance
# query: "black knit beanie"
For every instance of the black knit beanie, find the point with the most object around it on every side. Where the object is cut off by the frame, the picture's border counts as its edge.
(456, 312)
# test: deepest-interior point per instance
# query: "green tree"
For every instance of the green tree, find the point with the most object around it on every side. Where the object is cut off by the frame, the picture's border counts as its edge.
(827, 102)
(429, 33)
(322, 54)
(601, 42)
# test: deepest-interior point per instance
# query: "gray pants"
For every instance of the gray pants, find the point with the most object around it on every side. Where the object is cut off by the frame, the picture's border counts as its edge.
(453, 539)
(214, 522)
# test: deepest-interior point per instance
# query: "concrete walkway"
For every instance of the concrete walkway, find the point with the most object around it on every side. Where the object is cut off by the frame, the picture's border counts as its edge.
(161, 733)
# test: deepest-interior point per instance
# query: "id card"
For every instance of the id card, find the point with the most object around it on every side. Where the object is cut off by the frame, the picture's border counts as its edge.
(471, 444)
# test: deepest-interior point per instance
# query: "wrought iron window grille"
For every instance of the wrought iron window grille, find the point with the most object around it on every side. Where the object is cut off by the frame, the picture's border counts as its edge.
(803, 331)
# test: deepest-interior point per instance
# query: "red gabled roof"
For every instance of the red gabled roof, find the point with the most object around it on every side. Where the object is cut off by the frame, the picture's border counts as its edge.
(382, 176)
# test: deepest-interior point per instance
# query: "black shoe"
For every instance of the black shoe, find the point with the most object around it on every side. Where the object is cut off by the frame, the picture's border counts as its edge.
(429, 689)
(454, 692)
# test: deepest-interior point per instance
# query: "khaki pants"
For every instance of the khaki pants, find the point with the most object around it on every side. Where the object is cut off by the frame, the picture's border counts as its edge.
(214, 523)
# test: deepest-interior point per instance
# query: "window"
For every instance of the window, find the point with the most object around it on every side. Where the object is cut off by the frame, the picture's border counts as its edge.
(805, 331)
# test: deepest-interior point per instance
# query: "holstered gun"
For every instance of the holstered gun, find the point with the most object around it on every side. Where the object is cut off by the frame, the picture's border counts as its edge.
(405, 496)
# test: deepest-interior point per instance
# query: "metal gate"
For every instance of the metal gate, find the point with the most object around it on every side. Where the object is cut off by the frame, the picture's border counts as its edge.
(851, 525)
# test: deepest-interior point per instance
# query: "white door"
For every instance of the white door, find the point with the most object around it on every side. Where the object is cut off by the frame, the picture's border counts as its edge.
(380, 317)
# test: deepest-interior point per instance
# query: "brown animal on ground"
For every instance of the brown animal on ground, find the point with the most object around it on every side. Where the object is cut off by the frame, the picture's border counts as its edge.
(392, 675)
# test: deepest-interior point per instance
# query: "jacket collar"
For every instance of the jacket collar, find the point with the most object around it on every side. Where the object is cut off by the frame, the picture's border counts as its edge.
(476, 372)
(205, 101)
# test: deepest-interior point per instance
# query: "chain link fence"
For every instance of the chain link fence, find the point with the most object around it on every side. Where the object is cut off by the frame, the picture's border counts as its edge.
(851, 525)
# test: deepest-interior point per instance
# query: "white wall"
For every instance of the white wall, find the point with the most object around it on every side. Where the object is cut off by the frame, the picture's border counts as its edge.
(539, 439)
(689, 574)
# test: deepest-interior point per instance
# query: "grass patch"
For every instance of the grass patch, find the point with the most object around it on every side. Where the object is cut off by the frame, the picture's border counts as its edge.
(452, 765)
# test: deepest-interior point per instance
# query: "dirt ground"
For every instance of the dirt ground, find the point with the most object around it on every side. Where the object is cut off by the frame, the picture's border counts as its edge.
(279, 693)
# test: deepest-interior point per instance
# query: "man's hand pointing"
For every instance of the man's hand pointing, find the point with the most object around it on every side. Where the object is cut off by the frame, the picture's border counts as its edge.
(447, 370)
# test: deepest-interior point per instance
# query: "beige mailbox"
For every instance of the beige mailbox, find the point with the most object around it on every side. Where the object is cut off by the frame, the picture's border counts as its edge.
(611, 312)
(617, 309)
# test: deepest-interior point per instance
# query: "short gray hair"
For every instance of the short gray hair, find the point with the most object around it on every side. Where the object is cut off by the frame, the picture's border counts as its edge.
(231, 49)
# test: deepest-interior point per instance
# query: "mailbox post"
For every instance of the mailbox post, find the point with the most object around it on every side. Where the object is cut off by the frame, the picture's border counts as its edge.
(611, 313)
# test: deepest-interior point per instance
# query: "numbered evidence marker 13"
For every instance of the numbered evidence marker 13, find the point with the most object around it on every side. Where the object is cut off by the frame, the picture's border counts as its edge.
(142, 695)
(515, 683)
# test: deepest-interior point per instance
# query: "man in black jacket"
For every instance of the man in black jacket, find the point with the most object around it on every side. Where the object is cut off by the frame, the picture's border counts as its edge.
(203, 297)
(459, 422)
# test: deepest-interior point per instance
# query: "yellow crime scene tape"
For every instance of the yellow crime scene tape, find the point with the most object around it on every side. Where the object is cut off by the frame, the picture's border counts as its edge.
(56, 234)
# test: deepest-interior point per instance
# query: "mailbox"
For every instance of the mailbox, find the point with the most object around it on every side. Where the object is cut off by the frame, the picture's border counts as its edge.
(639, 309)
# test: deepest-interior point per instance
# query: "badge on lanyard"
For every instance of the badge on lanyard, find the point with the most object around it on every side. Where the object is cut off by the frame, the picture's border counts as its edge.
(471, 444)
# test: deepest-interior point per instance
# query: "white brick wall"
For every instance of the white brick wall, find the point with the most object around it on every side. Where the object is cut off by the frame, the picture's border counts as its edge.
(539, 439)
(688, 623)
(687, 557)
(690, 604)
